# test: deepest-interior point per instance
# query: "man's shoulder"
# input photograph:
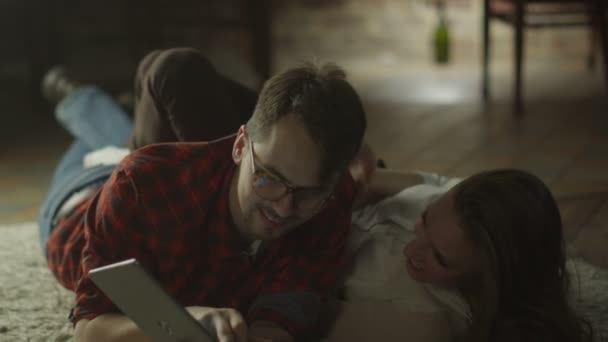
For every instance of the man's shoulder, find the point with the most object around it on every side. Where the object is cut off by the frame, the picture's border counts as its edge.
(178, 155)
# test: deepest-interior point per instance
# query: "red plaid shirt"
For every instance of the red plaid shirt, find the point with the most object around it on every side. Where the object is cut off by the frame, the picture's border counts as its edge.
(167, 206)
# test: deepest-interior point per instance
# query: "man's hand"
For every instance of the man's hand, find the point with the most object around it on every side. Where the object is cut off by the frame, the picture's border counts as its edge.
(227, 324)
(263, 331)
(362, 168)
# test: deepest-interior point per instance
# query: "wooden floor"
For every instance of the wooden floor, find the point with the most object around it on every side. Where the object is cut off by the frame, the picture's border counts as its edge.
(434, 121)
(428, 118)
(562, 136)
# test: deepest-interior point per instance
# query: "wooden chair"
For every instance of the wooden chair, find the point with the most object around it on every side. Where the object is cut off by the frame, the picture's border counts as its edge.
(540, 14)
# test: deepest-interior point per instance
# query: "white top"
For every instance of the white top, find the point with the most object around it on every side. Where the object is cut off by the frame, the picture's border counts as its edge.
(379, 272)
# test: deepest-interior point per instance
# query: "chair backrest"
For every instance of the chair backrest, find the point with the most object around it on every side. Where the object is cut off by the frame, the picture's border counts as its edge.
(545, 13)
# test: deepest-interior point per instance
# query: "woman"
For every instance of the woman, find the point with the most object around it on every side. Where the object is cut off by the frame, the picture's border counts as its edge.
(495, 240)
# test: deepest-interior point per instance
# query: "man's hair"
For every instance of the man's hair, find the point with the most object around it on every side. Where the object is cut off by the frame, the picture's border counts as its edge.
(324, 102)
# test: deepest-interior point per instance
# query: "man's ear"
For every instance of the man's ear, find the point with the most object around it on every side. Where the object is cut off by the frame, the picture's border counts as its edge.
(240, 143)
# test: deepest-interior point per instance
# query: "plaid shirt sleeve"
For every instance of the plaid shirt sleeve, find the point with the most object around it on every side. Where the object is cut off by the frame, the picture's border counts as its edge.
(113, 232)
(309, 266)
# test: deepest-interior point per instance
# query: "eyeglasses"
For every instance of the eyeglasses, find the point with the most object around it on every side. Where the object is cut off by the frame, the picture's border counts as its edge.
(271, 187)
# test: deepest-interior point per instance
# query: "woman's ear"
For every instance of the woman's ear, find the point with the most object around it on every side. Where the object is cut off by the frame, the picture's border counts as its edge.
(240, 143)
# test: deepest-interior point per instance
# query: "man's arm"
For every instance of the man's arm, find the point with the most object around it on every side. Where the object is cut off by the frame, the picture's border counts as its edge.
(374, 184)
(385, 183)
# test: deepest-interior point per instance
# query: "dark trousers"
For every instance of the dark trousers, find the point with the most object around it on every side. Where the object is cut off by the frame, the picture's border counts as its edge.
(179, 96)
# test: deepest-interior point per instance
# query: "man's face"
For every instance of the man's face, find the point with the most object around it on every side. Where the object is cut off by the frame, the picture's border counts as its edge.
(278, 180)
(440, 254)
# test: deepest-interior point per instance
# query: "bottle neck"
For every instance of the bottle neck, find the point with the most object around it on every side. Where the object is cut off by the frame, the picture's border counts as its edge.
(441, 13)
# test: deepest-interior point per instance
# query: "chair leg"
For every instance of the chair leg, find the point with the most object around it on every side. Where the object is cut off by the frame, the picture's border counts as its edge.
(486, 51)
(602, 23)
(592, 46)
(519, 52)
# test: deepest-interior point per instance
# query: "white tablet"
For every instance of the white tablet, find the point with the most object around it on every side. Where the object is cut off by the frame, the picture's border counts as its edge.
(139, 296)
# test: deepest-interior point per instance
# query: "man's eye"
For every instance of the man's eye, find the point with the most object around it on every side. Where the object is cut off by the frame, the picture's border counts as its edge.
(265, 178)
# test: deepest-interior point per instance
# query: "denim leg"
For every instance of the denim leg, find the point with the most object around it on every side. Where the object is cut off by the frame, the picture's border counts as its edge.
(70, 164)
(68, 168)
(93, 117)
(95, 121)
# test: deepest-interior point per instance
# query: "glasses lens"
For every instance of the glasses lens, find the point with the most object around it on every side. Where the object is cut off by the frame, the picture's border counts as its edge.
(268, 188)
(272, 189)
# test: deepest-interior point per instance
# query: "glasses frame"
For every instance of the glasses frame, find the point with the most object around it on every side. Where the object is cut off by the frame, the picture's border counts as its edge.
(289, 189)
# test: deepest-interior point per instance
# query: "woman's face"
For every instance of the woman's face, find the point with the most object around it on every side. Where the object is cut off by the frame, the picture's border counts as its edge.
(440, 254)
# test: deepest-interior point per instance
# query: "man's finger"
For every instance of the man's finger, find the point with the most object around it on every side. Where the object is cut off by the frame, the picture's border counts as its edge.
(223, 329)
(207, 322)
(238, 324)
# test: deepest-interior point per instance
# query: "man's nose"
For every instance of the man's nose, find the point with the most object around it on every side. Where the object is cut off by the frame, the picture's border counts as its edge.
(284, 207)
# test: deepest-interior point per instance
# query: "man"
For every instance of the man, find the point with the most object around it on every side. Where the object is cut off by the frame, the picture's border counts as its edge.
(247, 231)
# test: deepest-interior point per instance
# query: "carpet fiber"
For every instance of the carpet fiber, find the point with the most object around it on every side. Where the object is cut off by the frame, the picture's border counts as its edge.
(35, 308)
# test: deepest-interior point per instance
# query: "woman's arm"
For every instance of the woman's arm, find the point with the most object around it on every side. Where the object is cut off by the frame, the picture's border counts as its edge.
(108, 327)
(227, 325)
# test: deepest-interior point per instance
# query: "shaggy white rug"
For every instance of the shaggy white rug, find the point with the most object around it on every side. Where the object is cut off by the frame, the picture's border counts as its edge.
(33, 307)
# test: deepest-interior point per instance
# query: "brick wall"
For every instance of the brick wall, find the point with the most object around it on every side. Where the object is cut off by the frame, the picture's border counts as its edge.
(107, 38)
(102, 41)
(400, 31)
(13, 45)
(116, 34)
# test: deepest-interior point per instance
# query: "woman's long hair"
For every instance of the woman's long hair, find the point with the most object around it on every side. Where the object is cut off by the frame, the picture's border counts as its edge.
(521, 292)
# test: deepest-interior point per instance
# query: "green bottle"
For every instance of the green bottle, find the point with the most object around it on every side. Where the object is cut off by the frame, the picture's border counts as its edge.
(441, 36)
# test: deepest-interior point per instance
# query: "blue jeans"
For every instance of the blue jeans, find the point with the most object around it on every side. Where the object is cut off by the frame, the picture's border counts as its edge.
(95, 121)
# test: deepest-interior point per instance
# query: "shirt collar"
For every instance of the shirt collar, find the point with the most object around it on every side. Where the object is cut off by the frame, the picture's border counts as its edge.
(223, 234)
